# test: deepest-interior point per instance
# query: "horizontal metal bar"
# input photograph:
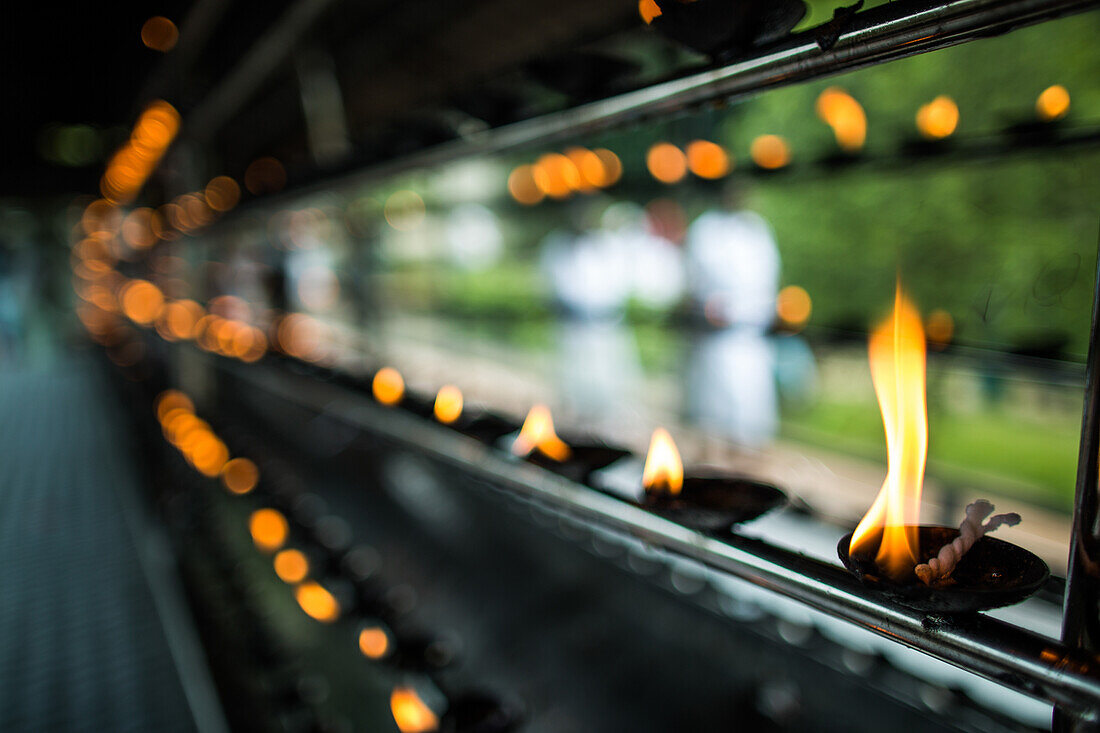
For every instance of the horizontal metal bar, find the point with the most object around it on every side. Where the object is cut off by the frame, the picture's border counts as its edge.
(1007, 654)
(891, 31)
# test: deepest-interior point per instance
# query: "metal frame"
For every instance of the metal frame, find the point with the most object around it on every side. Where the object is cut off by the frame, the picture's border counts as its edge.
(1011, 656)
(892, 31)
(1081, 613)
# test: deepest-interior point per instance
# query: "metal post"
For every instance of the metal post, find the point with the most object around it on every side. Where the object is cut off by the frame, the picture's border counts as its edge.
(1081, 616)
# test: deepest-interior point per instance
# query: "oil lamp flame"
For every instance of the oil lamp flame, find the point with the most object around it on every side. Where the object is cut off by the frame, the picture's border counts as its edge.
(664, 471)
(538, 432)
(897, 355)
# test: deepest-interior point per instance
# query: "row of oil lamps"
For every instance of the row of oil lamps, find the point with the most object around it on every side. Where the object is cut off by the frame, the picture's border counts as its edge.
(930, 569)
(416, 704)
(886, 549)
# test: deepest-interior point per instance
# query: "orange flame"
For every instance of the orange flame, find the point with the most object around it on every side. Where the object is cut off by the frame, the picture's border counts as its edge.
(538, 432)
(897, 354)
(664, 471)
(410, 713)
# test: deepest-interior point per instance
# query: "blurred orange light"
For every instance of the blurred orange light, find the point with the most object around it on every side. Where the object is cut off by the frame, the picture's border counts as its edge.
(142, 301)
(317, 602)
(264, 175)
(770, 152)
(556, 176)
(793, 305)
(172, 399)
(222, 193)
(159, 34)
(269, 529)
(291, 566)
(374, 642)
(181, 317)
(522, 187)
(939, 118)
(1053, 103)
(101, 217)
(590, 168)
(240, 475)
(410, 713)
(448, 404)
(707, 160)
(666, 162)
(612, 166)
(845, 115)
(649, 10)
(137, 229)
(388, 386)
(940, 327)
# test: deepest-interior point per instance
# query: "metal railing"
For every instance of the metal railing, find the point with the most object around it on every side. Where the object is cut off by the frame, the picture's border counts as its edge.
(1016, 658)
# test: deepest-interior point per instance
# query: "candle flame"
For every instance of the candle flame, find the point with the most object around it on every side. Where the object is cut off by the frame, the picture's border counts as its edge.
(897, 355)
(664, 471)
(538, 432)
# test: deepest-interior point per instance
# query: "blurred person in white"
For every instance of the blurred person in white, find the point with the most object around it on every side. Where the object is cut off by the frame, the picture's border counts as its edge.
(656, 264)
(733, 275)
(590, 276)
(473, 237)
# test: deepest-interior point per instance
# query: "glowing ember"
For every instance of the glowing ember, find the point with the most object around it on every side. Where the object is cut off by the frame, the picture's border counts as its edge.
(448, 404)
(664, 471)
(538, 432)
(410, 713)
(897, 354)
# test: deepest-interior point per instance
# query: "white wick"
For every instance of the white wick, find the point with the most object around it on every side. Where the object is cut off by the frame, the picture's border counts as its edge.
(970, 531)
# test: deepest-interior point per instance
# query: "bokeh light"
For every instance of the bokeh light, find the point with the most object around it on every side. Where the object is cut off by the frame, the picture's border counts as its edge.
(793, 306)
(159, 34)
(707, 160)
(1053, 103)
(374, 642)
(269, 529)
(666, 162)
(522, 186)
(264, 175)
(448, 404)
(939, 118)
(410, 713)
(556, 175)
(317, 602)
(404, 210)
(840, 110)
(770, 152)
(291, 566)
(240, 475)
(222, 193)
(388, 386)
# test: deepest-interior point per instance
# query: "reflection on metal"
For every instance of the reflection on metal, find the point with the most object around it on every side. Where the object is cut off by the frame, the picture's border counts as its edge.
(1006, 654)
(1081, 619)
